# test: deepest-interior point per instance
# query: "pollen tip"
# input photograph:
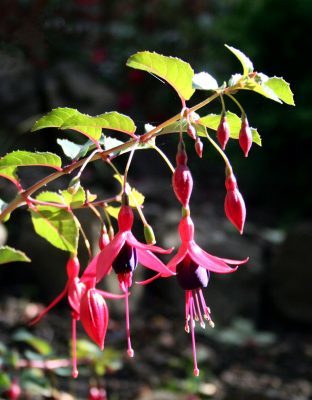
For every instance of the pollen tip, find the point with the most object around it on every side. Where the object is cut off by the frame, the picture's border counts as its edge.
(202, 324)
(130, 353)
(211, 323)
(196, 372)
(75, 373)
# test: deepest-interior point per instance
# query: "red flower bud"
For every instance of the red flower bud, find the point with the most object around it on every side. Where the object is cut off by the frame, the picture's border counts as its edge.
(97, 394)
(199, 147)
(223, 132)
(72, 267)
(191, 131)
(125, 218)
(103, 240)
(234, 205)
(182, 183)
(94, 316)
(14, 392)
(245, 137)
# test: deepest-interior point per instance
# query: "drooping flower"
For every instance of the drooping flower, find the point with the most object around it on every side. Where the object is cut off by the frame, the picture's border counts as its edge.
(87, 303)
(123, 254)
(234, 205)
(192, 266)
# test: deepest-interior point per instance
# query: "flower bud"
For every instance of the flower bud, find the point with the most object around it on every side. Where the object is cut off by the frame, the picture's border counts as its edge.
(74, 185)
(234, 205)
(103, 239)
(223, 132)
(199, 147)
(14, 392)
(191, 131)
(245, 136)
(182, 181)
(94, 316)
(76, 289)
(72, 267)
(125, 218)
(149, 234)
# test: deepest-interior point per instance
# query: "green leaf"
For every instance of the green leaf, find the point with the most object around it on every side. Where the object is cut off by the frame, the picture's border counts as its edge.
(70, 149)
(204, 81)
(92, 126)
(281, 89)
(21, 158)
(261, 88)
(74, 200)
(55, 118)
(212, 121)
(176, 127)
(3, 206)
(113, 211)
(8, 254)
(68, 118)
(40, 345)
(244, 60)
(57, 226)
(9, 173)
(136, 198)
(5, 381)
(176, 72)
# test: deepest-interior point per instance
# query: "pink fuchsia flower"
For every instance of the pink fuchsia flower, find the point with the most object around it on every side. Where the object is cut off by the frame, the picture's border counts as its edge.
(192, 267)
(123, 254)
(234, 205)
(87, 303)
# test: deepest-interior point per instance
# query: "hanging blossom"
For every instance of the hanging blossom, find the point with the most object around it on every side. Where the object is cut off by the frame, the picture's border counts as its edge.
(192, 266)
(123, 253)
(87, 304)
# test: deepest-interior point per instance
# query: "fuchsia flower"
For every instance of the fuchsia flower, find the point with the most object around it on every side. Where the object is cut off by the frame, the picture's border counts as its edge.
(123, 254)
(192, 266)
(87, 304)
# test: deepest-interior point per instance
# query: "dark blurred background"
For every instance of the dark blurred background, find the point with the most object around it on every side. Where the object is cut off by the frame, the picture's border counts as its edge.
(72, 53)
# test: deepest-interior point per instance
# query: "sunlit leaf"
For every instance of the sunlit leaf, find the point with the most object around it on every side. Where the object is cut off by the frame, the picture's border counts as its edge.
(3, 206)
(204, 81)
(55, 118)
(113, 211)
(57, 226)
(244, 60)
(212, 121)
(74, 200)
(281, 89)
(92, 126)
(21, 158)
(261, 88)
(70, 149)
(136, 198)
(8, 254)
(68, 118)
(176, 72)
